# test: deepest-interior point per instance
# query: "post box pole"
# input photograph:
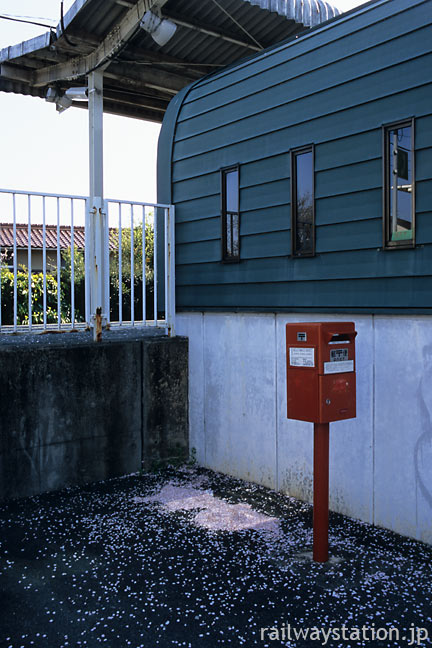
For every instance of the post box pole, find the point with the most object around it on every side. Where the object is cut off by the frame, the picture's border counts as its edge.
(321, 492)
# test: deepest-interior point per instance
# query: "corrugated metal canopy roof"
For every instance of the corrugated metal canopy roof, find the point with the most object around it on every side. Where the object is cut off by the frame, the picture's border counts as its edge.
(306, 12)
(140, 76)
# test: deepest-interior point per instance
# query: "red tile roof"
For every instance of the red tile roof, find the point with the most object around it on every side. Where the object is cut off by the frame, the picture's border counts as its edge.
(6, 236)
(36, 238)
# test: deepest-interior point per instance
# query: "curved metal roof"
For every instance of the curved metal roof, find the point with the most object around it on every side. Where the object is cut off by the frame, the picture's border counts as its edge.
(307, 12)
(140, 76)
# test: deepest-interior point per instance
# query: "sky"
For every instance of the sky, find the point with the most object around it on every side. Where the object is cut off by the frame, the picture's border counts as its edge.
(47, 152)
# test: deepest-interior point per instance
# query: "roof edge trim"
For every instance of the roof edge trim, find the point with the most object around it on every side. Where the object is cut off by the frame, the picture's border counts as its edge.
(70, 15)
(166, 144)
(25, 47)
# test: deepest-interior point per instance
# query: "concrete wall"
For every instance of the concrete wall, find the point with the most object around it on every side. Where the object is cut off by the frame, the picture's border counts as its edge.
(72, 411)
(380, 462)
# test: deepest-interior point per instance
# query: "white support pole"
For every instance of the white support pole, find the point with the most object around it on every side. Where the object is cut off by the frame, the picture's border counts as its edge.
(88, 257)
(97, 213)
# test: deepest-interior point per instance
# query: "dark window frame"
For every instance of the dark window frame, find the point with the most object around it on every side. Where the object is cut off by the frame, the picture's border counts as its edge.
(386, 218)
(229, 258)
(309, 148)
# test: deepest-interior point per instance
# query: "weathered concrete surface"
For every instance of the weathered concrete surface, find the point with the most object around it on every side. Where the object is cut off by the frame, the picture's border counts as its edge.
(380, 462)
(193, 328)
(403, 426)
(165, 400)
(73, 412)
(239, 393)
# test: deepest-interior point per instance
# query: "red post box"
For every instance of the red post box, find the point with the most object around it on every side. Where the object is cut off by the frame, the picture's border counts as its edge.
(321, 371)
(321, 388)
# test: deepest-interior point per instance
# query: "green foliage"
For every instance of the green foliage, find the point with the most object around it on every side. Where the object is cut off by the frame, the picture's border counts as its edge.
(79, 265)
(7, 282)
(137, 255)
(79, 260)
(126, 283)
(79, 280)
(7, 298)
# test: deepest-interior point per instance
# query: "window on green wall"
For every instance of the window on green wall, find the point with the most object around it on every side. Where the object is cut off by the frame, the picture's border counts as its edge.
(399, 195)
(230, 214)
(302, 202)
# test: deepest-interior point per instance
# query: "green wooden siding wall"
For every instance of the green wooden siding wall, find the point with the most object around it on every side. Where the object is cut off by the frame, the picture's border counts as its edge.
(334, 87)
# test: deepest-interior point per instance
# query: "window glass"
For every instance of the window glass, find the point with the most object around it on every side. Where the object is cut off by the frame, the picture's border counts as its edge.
(232, 187)
(229, 248)
(235, 235)
(230, 215)
(400, 183)
(303, 203)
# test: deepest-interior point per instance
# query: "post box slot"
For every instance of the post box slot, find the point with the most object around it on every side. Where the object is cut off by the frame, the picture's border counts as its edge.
(341, 338)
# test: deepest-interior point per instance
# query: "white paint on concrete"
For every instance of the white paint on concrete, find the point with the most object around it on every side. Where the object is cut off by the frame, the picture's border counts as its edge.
(380, 462)
(192, 326)
(403, 444)
(239, 378)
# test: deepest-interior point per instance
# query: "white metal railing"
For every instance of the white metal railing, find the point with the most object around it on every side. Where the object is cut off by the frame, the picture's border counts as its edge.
(47, 277)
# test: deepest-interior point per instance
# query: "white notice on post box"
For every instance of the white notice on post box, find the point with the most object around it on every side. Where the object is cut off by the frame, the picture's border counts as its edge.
(338, 367)
(302, 357)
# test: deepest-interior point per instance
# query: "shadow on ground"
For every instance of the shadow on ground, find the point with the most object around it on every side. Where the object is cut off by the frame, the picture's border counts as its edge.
(92, 566)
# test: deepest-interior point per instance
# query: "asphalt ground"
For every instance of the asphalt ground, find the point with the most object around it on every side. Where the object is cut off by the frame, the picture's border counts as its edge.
(91, 566)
